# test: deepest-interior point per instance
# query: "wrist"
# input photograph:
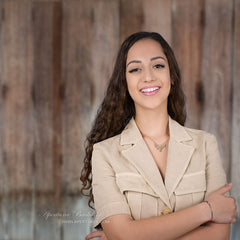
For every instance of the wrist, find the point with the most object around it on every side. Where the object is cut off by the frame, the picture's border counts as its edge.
(211, 210)
(206, 210)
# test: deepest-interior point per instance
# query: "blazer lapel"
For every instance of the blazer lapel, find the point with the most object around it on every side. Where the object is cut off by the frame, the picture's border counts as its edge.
(179, 155)
(139, 155)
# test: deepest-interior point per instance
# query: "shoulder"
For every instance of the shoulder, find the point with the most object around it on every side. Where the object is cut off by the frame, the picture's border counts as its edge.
(108, 143)
(107, 150)
(182, 133)
(200, 134)
(203, 141)
(129, 135)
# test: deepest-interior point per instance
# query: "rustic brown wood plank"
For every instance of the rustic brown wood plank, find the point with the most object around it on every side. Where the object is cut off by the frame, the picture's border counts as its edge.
(3, 208)
(131, 14)
(145, 15)
(76, 88)
(43, 95)
(235, 142)
(17, 80)
(2, 169)
(18, 128)
(46, 95)
(187, 45)
(216, 74)
(47, 78)
(158, 17)
(105, 44)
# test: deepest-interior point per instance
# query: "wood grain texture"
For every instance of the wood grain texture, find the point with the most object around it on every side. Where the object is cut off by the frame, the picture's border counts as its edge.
(157, 15)
(77, 83)
(216, 74)
(2, 164)
(131, 17)
(187, 45)
(17, 137)
(47, 110)
(235, 139)
(145, 15)
(105, 44)
(17, 80)
(3, 212)
(43, 95)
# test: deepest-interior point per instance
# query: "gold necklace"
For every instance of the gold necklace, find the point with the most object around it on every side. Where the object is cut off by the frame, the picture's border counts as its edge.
(159, 147)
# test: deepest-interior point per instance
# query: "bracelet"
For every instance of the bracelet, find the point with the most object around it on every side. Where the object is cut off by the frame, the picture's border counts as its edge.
(210, 209)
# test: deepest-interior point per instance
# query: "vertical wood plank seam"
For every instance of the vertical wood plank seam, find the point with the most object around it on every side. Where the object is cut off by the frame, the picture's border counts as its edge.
(3, 14)
(4, 153)
(57, 103)
(199, 87)
(33, 159)
(172, 18)
(231, 90)
(203, 21)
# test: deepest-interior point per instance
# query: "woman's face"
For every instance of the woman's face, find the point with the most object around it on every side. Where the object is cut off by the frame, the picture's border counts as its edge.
(148, 75)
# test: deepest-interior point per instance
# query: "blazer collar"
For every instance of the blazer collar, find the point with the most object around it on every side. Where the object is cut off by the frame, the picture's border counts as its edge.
(179, 155)
(131, 133)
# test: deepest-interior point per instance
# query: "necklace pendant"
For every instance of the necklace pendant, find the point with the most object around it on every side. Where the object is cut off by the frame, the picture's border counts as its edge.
(160, 147)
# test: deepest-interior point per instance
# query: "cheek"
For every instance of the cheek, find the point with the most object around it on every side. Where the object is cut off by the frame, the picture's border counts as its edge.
(131, 86)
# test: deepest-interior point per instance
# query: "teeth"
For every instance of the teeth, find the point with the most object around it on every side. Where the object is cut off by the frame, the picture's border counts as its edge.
(149, 89)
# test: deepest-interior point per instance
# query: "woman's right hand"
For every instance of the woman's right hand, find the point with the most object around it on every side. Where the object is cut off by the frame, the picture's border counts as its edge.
(224, 208)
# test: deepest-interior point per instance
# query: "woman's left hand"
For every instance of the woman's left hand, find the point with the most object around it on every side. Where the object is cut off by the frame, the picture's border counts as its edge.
(96, 234)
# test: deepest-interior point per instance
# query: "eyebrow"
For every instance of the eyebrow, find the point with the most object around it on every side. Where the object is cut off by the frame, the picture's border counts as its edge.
(152, 59)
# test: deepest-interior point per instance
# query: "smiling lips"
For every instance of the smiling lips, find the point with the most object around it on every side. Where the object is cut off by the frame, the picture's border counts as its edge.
(149, 91)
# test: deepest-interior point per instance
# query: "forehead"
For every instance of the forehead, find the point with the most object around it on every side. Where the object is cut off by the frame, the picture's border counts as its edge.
(145, 48)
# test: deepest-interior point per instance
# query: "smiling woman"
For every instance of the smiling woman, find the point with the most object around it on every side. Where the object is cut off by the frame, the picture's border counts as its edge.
(148, 75)
(151, 177)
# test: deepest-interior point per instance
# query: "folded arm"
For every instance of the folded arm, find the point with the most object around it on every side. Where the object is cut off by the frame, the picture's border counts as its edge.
(211, 231)
(184, 224)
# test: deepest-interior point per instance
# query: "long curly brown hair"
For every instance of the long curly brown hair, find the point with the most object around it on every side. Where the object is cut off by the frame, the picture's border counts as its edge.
(117, 107)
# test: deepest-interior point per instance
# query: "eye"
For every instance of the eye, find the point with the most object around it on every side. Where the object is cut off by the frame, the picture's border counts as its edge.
(158, 66)
(134, 70)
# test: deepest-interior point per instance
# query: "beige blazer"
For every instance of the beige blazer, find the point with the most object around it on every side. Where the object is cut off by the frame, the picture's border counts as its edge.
(126, 179)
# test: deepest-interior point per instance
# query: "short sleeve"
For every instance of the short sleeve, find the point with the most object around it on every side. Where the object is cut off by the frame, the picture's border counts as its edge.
(215, 174)
(108, 200)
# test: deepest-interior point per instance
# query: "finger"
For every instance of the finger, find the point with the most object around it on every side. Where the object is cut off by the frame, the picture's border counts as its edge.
(94, 234)
(225, 189)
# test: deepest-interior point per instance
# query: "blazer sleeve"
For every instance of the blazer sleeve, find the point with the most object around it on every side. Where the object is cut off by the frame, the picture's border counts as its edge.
(108, 200)
(215, 174)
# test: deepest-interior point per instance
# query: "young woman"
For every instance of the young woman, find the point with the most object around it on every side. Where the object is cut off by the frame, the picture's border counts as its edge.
(151, 177)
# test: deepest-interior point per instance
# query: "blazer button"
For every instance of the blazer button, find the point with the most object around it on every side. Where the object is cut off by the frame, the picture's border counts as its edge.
(166, 211)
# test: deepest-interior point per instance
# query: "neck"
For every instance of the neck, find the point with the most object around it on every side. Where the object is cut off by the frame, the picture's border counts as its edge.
(153, 124)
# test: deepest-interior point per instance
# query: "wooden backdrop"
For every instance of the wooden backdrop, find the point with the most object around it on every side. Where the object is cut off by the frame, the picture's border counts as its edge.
(55, 60)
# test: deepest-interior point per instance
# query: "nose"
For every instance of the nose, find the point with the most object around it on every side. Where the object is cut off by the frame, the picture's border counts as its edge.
(148, 75)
